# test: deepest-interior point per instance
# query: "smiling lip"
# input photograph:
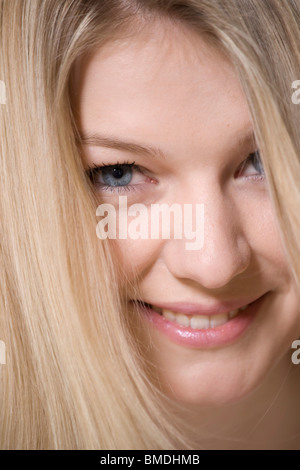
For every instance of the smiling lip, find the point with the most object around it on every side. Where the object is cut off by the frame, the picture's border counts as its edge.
(203, 338)
(200, 309)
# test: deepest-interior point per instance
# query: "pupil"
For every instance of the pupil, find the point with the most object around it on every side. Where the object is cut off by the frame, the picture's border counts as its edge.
(118, 173)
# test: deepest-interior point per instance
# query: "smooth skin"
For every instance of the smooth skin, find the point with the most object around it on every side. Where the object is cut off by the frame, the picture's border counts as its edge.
(167, 89)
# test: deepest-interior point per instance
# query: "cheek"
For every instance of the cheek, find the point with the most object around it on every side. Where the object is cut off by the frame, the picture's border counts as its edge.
(263, 235)
(136, 256)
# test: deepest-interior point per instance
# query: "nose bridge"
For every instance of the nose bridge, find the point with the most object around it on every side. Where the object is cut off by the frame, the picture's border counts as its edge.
(221, 225)
(224, 252)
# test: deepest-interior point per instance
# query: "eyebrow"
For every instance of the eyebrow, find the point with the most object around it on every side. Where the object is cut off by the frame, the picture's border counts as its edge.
(97, 140)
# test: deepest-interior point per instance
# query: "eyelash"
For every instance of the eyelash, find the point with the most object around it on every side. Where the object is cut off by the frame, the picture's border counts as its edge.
(94, 171)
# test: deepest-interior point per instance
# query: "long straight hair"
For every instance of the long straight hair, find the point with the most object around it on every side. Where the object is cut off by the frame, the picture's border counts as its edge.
(76, 377)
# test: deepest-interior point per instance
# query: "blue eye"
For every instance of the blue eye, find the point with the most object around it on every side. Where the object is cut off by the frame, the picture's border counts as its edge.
(117, 175)
(256, 162)
(252, 167)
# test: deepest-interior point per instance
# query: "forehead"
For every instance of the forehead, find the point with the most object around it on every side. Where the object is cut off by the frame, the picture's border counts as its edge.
(165, 84)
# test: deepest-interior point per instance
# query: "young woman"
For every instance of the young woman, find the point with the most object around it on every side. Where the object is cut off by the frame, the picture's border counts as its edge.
(141, 343)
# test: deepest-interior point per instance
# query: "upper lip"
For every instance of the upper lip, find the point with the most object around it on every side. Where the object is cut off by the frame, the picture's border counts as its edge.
(216, 308)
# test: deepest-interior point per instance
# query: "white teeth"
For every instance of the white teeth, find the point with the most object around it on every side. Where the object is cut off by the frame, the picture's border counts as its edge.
(168, 315)
(183, 320)
(217, 320)
(201, 322)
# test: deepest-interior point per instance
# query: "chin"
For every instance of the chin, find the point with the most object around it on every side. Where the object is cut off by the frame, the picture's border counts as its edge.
(203, 396)
(212, 383)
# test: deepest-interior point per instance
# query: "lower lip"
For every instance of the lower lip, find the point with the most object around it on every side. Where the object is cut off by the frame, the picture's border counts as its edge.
(221, 335)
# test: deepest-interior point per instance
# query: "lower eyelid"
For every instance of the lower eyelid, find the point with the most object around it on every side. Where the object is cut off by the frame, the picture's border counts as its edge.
(120, 189)
(257, 177)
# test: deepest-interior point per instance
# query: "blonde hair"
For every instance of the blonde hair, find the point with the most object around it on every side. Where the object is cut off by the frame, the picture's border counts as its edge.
(76, 377)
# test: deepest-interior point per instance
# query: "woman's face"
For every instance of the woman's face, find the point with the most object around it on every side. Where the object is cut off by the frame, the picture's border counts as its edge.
(173, 126)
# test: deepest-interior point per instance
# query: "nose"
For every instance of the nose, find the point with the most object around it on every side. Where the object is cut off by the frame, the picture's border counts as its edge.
(225, 251)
